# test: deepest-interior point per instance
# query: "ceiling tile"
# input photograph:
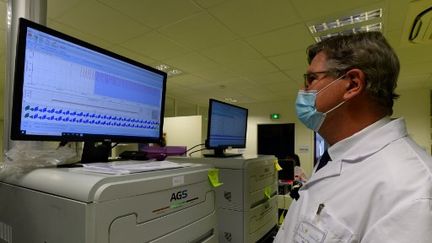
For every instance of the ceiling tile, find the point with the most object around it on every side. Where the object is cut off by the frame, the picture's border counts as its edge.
(253, 66)
(249, 17)
(281, 87)
(186, 80)
(275, 79)
(154, 13)
(296, 75)
(282, 40)
(68, 30)
(155, 45)
(259, 94)
(209, 3)
(232, 52)
(284, 94)
(192, 62)
(198, 32)
(57, 8)
(312, 10)
(238, 84)
(395, 14)
(176, 89)
(134, 55)
(216, 92)
(251, 50)
(292, 60)
(395, 38)
(201, 66)
(97, 19)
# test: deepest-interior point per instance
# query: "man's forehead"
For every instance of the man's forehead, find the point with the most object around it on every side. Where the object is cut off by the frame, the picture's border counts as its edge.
(319, 61)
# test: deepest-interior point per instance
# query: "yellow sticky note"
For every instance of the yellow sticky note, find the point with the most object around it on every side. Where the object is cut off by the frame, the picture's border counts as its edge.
(213, 175)
(281, 218)
(267, 191)
(277, 166)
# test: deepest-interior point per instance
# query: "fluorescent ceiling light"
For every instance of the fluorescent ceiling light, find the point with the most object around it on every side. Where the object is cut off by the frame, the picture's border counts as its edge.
(365, 28)
(162, 67)
(169, 70)
(364, 21)
(229, 99)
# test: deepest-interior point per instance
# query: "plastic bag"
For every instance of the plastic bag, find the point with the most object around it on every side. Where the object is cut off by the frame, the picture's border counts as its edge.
(24, 157)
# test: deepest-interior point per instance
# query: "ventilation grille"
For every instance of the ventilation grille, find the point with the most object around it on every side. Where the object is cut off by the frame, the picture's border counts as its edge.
(418, 24)
(421, 30)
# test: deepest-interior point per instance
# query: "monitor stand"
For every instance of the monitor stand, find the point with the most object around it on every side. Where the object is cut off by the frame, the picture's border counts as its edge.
(94, 152)
(220, 153)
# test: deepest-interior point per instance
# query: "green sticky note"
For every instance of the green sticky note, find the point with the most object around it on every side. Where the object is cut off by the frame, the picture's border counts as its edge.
(281, 219)
(267, 191)
(277, 166)
(213, 175)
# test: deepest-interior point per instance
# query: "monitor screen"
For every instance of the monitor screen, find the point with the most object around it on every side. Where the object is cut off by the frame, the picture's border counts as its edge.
(276, 139)
(320, 146)
(68, 90)
(227, 126)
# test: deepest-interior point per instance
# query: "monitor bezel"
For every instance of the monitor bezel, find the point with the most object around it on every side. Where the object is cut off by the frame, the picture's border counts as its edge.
(16, 134)
(209, 126)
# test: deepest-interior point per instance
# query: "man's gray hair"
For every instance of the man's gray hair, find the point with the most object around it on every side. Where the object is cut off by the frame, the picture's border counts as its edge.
(369, 52)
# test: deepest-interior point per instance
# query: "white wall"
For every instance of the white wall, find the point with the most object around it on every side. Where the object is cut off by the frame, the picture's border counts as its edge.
(183, 131)
(415, 106)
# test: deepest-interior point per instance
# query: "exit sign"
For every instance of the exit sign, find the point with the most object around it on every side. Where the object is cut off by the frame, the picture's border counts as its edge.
(275, 116)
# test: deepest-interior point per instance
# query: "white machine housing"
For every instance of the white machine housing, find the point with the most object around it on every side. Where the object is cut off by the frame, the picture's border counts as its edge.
(247, 200)
(71, 205)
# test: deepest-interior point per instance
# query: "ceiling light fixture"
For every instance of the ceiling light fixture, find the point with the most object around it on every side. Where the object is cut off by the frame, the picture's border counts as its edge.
(365, 28)
(162, 67)
(229, 99)
(364, 21)
(169, 70)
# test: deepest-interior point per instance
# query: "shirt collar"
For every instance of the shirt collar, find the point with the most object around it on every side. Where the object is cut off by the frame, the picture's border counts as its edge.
(359, 146)
(369, 140)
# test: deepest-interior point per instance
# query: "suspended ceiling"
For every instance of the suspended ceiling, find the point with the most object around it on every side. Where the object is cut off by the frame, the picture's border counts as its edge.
(248, 50)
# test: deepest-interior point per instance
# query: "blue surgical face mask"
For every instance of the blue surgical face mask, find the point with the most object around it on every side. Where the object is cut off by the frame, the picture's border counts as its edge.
(306, 109)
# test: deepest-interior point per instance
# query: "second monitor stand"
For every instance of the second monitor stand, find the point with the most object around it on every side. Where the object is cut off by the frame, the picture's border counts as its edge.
(96, 152)
(220, 153)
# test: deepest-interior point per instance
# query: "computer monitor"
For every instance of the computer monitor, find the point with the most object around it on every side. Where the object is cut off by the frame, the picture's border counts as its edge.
(68, 90)
(227, 126)
(276, 139)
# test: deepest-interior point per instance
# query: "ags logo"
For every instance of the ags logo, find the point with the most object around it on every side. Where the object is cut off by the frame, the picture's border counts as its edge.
(178, 195)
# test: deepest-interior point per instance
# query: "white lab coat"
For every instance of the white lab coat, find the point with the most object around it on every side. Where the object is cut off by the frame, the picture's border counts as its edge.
(377, 188)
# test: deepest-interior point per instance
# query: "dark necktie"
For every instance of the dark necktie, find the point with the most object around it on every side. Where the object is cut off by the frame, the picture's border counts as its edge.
(323, 161)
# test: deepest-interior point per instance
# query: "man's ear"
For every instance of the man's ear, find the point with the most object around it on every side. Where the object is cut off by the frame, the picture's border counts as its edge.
(356, 83)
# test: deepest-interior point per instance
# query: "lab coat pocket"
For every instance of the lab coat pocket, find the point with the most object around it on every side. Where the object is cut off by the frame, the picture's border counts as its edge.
(323, 228)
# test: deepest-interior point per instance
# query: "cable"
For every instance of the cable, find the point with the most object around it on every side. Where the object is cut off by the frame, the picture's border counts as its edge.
(194, 147)
(196, 151)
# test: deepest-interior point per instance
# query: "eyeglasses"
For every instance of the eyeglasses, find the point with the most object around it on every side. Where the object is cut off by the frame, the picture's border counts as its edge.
(310, 77)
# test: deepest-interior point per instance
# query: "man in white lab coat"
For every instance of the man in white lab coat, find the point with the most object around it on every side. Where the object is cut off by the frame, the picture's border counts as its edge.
(377, 186)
